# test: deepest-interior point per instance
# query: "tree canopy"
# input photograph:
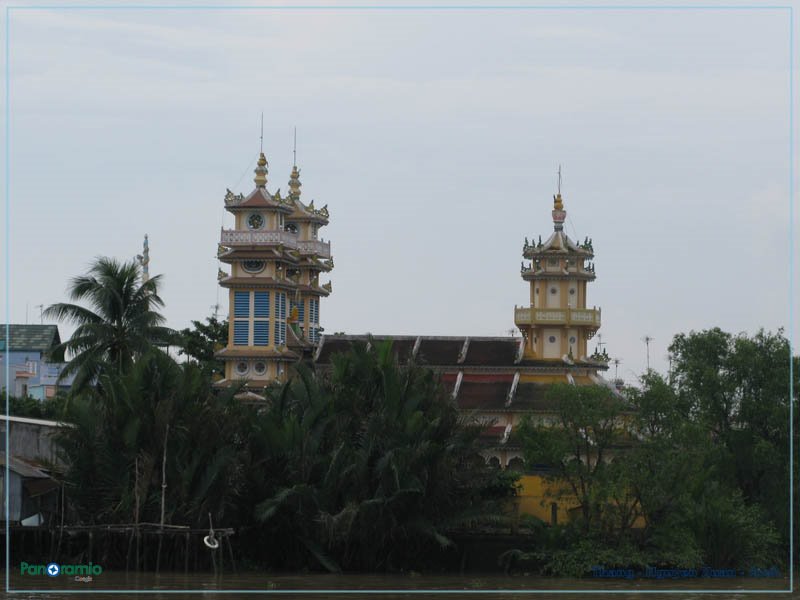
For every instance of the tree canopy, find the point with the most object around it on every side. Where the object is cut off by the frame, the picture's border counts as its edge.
(120, 324)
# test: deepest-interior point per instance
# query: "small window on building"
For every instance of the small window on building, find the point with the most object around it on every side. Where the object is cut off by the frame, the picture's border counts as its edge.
(242, 367)
(553, 290)
(260, 368)
(552, 339)
(572, 340)
(572, 291)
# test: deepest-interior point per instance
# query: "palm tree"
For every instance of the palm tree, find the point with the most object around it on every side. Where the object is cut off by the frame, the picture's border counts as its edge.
(120, 325)
(369, 468)
(114, 448)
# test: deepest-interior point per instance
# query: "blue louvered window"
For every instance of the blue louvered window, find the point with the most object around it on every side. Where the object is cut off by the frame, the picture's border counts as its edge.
(313, 310)
(241, 333)
(261, 333)
(241, 304)
(261, 304)
(280, 318)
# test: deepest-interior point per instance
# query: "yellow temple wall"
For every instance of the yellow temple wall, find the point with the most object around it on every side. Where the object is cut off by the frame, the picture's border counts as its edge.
(537, 495)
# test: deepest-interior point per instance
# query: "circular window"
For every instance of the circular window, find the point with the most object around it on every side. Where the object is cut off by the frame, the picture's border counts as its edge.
(242, 367)
(552, 339)
(572, 340)
(260, 368)
(552, 290)
(253, 266)
(255, 221)
(572, 292)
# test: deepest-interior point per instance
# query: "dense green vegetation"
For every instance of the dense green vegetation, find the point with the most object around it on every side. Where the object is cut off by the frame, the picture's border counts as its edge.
(366, 468)
(371, 467)
(700, 459)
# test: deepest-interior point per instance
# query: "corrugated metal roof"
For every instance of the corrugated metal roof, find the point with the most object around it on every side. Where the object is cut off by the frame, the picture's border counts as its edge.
(22, 468)
(30, 338)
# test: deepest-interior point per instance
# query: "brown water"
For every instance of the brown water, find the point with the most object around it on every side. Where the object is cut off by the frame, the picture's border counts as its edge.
(171, 586)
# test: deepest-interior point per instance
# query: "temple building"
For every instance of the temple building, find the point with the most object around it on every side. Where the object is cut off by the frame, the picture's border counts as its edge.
(503, 379)
(276, 258)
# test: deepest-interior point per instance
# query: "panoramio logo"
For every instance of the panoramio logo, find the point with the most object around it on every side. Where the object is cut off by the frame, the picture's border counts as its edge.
(54, 569)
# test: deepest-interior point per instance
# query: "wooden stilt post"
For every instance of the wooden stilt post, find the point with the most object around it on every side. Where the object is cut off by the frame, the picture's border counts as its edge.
(230, 553)
(128, 555)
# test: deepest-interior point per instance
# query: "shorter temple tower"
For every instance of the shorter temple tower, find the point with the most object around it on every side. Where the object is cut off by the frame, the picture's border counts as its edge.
(275, 258)
(557, 325)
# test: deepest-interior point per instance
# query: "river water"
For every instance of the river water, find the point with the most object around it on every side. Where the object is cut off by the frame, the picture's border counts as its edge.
(171, 586)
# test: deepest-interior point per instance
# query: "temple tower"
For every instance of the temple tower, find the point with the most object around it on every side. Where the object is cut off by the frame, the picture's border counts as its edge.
(558, 325)
(275, 258)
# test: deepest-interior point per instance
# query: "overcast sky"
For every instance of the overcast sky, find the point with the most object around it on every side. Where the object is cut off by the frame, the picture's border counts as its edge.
(434, 137)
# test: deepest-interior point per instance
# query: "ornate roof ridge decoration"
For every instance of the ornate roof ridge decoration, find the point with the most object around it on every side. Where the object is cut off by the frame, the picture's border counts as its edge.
(232, 199)
(600, 357)
(308, 211)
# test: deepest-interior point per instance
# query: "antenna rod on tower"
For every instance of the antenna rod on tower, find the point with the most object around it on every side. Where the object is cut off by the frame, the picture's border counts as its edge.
(647, 339)
(294, 152)
(559, 179)
(261, 139)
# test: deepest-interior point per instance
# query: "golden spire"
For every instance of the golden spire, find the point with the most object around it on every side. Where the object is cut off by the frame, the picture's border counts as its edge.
(294, 183)
(294, 178)
(558, 204)
(261, 171)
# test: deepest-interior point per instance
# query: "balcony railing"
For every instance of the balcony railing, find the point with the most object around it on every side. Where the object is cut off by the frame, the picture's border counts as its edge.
(321, 248)
(557, 316)
(232, 237)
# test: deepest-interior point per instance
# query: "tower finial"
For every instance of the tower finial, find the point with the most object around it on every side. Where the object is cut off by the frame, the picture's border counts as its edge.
(294, 178)
(261, 171)
(558, 204)
(261, 138)
(559, 180)
(144, 259)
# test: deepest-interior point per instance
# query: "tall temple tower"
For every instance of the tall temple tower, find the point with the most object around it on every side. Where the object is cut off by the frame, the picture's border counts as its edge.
(558, 325)
(276, 259)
